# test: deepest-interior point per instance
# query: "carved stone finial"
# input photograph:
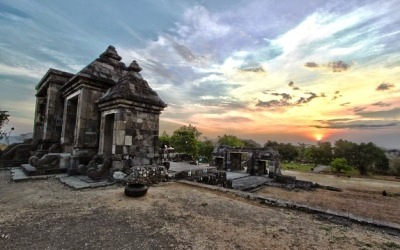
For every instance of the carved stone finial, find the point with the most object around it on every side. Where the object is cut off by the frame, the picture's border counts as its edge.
(135, 66)
(111, 52)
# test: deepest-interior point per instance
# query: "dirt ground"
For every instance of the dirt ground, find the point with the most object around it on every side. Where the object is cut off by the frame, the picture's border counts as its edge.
(45, 214)
(360, 196)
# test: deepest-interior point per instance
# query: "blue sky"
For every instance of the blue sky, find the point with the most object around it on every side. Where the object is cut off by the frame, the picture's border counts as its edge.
(291, 71)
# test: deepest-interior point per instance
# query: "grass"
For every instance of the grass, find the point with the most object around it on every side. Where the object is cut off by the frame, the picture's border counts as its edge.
(300, 167)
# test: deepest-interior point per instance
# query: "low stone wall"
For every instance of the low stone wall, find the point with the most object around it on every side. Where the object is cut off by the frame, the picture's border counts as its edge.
(209, 177)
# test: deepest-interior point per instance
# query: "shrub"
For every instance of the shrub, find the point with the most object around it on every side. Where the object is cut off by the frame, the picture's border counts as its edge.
(340, 165)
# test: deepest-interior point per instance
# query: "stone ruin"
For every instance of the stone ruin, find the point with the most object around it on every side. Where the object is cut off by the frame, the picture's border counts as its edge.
(103, 119)
(255, 161)
(103, 122)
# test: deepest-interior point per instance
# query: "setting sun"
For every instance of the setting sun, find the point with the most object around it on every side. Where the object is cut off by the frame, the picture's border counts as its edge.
(318, 137)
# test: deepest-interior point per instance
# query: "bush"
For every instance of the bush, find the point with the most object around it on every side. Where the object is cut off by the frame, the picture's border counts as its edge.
(340, 165)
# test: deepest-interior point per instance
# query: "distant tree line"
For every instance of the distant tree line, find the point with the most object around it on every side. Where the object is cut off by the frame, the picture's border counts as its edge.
(366, 157)
(342, 156)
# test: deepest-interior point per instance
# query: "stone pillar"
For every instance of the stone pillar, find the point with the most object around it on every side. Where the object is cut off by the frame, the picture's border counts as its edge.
(53, 120)
(40, 116)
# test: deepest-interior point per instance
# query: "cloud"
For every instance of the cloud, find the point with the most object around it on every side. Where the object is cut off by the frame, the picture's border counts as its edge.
(284, 95)
(185, 52)
(12, 14)
(335, 66)
(338, 66)
(358, 109)
(311, 65)
(273, 104)
(381, 104)
(304, 100)
(384, 86)
(336, 95)
(285, 101)
(255, 68)
(393, 113)
(362, 124)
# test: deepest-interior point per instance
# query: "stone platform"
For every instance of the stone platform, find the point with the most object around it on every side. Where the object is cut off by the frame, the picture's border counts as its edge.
(75, 182)
(18, 174)
(32, 171)
(82, 181)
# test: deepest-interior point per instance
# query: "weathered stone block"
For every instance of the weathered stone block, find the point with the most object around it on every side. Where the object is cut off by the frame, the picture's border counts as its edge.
(120, 137)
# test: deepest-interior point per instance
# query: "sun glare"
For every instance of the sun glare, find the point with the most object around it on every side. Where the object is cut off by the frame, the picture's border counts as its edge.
(318, 137)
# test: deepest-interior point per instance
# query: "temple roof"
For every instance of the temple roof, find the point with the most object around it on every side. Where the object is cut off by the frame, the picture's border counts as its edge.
(107, 68)
(133, 87)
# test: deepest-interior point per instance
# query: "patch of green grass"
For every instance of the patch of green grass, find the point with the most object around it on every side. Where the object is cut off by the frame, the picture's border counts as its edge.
(298, 167)
(351, 172)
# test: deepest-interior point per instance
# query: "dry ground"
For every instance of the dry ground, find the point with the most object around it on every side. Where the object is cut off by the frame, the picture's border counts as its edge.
(47, 215)
(360, 196)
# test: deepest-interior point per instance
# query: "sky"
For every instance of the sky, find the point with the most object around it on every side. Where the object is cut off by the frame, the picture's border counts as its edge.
(290, 71)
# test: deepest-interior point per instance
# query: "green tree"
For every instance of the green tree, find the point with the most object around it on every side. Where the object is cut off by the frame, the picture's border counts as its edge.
(325, 152)
(340, 165)
(249, 143)
(206, 147)
(230, 141)
(364, 156)
(320, 154)
(301, 149)
(288, 152)
(271, 144)
(185, 140)
(164, 139)
(346, 149)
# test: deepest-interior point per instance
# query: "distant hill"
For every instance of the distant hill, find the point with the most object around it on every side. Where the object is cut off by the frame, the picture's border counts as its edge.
(16, 138)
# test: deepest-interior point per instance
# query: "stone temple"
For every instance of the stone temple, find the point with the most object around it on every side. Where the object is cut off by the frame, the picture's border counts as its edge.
(106, 110)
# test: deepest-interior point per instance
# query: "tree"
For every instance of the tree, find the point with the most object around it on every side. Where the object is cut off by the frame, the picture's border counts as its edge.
(230, 141)
(325, 152)
(320, 154)
(345, 149)
(249, 143)
(271, 144)
(206, 147)
(363, 156)
(185, 140)
(288, 152)
(340, 164)
(165, 139)
(3, 120)
(302, 149)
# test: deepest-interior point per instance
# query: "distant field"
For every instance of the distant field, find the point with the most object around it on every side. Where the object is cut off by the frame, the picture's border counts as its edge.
(298, 167)
(301, 167)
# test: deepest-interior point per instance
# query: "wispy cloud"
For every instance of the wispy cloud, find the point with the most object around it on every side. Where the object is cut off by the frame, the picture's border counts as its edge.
(384, 86)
